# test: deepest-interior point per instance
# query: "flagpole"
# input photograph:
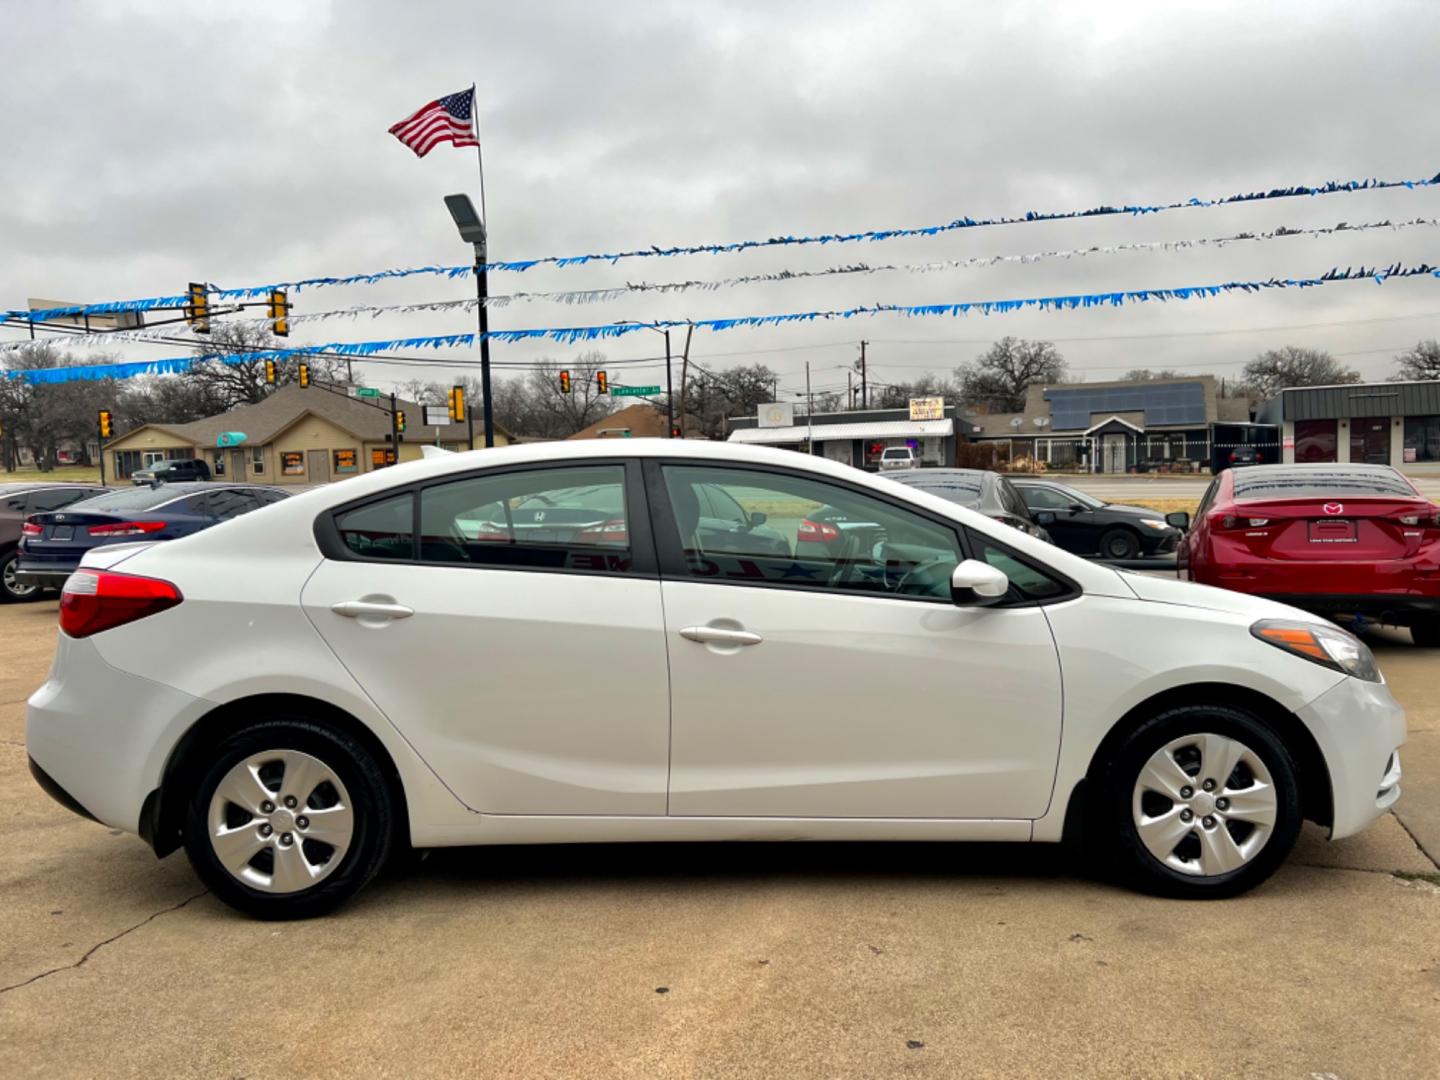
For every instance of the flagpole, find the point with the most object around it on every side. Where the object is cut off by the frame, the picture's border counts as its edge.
(479, 155)
(482, 285)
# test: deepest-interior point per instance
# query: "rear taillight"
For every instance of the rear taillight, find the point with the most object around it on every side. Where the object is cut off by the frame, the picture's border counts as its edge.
(126, 528)
(1233, 456)
(1429, 520)
(96, 600)
(614, 531)
(1230, 521)
(817, 532)
(31, 528)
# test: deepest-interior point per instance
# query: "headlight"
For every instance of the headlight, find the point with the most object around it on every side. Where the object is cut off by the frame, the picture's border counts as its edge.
(1154, 523)
(1328, 646)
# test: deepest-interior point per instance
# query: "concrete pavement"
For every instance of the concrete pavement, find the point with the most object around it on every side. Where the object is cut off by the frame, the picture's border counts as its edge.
(715, 960)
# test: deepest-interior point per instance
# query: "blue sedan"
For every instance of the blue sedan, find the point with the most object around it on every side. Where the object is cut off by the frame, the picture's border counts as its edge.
(52, 544)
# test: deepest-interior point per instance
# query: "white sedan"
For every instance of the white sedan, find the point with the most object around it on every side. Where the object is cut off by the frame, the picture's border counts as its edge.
(636, 647)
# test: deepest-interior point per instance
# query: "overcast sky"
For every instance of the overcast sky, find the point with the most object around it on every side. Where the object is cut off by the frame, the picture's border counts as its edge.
(149, 144)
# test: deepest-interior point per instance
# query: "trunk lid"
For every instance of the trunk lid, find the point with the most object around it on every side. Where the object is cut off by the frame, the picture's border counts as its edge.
(1347, 528)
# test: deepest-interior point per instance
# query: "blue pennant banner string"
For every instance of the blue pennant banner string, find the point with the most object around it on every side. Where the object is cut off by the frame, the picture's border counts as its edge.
(518, 266)
(570, 335)
(594, 296)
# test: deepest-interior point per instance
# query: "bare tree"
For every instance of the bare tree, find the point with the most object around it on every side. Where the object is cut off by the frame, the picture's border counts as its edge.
(1420, 363)
(237, 375)
(40, 417)
(1292, 365)
(996, 380)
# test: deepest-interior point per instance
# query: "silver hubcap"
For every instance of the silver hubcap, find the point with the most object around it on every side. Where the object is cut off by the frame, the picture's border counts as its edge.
(281, 821)
(1204, 804)
(13, 587)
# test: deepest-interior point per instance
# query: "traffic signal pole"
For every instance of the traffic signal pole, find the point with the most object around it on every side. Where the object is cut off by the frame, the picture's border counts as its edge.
(395, 428)
(102, 457)
(482, 291)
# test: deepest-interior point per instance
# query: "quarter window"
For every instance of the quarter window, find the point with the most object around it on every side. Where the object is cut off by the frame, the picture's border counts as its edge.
(1025, 579)
(800, 533)
(558, 519)
(382, 530)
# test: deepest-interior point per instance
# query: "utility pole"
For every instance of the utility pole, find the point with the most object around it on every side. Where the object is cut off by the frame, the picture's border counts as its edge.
(482, 292)
(684, 371)
(849, 390)
(809, 413)
(669, 392)
(395, 428)
(864, 391)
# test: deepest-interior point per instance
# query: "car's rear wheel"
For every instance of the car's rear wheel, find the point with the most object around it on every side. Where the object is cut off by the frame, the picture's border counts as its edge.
(1200, 802)
(11, 591)
(289, 819)
(1426, 634)
(1119, 544)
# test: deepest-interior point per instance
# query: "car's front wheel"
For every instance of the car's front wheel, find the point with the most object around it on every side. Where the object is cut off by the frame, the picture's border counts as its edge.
(1200, 802)
(11, 591)
(1119, 544)
(290, 819)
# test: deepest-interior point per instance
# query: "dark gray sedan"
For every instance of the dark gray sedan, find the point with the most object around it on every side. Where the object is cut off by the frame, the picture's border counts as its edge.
(979, 489)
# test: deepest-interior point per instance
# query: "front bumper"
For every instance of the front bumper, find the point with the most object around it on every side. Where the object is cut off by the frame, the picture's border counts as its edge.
(101, 737)
(1360, 729)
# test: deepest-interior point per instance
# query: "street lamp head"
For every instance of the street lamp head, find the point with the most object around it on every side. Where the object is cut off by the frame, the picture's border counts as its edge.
(472, 229)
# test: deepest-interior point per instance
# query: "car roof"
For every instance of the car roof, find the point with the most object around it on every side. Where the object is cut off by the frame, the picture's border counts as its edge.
(43, 485)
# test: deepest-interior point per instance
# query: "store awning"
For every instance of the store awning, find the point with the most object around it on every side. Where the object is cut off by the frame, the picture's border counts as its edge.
(885, 429)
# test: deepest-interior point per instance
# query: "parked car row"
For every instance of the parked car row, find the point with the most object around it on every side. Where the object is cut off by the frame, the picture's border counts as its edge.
(46, 529)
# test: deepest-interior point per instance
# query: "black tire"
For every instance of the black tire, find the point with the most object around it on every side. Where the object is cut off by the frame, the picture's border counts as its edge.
(1426, 634)
(370, 797)
(1119, 544)
(10, 591)
(1114, 824)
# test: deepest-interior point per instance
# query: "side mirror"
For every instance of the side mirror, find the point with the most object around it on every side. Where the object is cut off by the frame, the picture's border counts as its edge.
(757, 518)
(977, 584)
(1076, 508)
(1044, 517)
(1179, 519)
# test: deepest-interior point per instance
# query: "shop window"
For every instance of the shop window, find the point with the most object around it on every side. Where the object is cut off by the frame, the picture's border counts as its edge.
(257, 460)
(292, 463)
(217, 467)
(381, 456)
(1315, 440)
(347, 461)
(1422, 438)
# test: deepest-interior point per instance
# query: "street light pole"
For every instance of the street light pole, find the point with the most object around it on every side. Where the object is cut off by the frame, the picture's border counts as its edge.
(482, 292)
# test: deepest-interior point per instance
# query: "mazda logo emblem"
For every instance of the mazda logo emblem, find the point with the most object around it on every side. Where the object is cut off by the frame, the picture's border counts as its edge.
(1334, 508)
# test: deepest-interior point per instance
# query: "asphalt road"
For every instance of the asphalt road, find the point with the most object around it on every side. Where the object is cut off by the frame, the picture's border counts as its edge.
(718, 960)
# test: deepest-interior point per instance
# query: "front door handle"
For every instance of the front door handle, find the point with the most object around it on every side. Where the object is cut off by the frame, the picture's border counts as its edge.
(371, 609)
(720, 635)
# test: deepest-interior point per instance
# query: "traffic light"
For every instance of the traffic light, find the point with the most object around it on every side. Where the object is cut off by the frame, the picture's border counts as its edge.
(457, 405)
(602, 382)
(197, 311)
(279, 309)
(304, 376)
(107, 424)
(675, 431)
(399, 419)
(564, 382)
(270, 372)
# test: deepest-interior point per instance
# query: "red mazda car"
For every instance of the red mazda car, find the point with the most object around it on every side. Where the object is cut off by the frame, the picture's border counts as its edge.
(1338, 540)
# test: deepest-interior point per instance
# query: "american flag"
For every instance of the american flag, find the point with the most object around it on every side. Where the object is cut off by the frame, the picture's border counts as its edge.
(448, 120)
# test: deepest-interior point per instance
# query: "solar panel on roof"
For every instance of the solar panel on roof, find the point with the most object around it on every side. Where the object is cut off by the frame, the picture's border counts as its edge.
(1170, 403)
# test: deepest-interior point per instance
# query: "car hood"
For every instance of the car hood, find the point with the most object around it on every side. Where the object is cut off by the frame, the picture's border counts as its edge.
(1188, 594)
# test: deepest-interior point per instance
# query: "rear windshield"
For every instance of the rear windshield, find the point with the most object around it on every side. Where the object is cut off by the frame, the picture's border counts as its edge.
(1253, 484)
(138, 498)
(964, 490)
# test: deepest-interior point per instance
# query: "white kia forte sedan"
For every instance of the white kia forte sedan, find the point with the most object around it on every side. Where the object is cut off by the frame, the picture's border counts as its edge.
(665, 640)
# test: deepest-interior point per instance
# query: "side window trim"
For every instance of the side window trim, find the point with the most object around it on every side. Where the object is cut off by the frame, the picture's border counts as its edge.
(642, 546)
(666, 532)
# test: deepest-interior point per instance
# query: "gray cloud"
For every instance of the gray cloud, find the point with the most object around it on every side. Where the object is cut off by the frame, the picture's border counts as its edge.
(149, 144)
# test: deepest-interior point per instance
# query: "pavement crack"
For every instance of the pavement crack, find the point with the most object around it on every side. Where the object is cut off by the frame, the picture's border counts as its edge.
(101, 944)
(1415, 840)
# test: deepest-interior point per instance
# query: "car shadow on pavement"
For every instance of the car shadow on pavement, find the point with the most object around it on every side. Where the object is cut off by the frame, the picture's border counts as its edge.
(740, 861)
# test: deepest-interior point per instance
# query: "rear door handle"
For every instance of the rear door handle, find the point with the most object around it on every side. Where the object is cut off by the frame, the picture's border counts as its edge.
(371, 609)
(721, 635)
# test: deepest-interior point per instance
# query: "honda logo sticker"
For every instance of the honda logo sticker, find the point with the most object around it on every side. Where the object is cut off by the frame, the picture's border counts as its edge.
(1334, 508)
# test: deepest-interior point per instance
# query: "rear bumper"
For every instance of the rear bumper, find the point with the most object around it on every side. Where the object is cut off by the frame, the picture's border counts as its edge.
(1360, 729)
(46, 575)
